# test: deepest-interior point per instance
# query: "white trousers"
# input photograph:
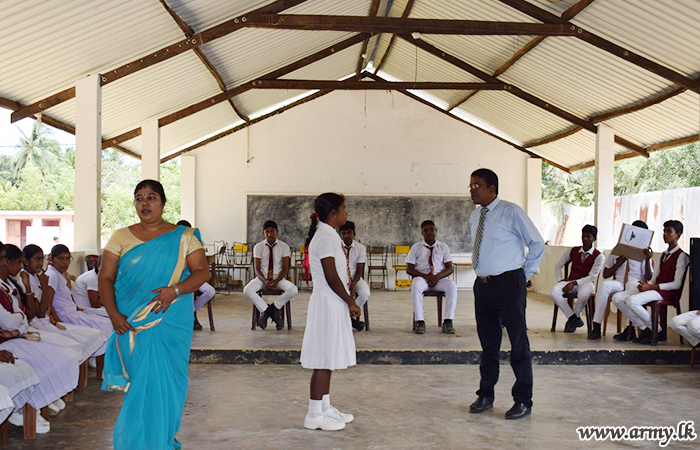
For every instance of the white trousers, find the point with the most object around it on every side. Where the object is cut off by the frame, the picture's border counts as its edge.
(688, 326)
(606, 289)
(631, 303)
(208, 292)
(582, 291)
(362, 289)
(420, 285)
(251, 292)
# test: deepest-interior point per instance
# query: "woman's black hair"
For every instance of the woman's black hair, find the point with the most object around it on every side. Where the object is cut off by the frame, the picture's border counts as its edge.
(58, 249)
(12, 252)
(324, 204)
(31, 250)
(2, 246)
(153, 184)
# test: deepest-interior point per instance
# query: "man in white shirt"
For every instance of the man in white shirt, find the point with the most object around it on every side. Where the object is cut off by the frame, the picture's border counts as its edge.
(626, 274)
(429, 262)
(356, 256)
(271, 264)
(586, 264)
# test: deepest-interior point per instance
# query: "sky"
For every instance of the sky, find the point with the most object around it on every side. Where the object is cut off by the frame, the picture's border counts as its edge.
(10, 135)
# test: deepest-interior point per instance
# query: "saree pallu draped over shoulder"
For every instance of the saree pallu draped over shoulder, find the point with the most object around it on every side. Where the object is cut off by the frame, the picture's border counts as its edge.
(150, 363)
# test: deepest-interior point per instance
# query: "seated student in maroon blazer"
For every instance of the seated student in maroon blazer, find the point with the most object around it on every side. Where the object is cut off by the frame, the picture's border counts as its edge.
(667, 280)
(586, 264)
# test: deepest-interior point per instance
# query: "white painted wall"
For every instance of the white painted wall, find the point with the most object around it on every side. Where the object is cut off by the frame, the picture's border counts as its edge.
(355, 143)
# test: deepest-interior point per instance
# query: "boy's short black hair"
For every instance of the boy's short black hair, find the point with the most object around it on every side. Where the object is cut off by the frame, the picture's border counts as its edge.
(590, 229)
(640, 224)
(348, 225)
(426, 223)
(675, 224)
(270, 224)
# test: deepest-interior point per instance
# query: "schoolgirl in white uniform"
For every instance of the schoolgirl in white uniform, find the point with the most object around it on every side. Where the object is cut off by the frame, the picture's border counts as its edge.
(328, 341)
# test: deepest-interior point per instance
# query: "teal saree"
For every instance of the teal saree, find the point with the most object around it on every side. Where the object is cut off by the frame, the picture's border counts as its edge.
(150, 363)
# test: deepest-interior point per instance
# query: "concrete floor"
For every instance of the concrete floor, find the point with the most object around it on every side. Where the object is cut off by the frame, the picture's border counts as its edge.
(397, 407)
(391, 321)
(400, 406)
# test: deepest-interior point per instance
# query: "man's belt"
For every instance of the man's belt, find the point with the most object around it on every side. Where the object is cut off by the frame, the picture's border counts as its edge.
(492, 278)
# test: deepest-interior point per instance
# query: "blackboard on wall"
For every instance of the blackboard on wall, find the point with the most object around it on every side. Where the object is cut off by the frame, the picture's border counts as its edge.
(378, 220)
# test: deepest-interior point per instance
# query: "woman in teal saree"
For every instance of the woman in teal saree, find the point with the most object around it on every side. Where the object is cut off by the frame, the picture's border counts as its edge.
(149, 271)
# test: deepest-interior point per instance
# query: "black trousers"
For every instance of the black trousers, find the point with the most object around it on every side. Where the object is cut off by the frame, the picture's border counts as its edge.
(501, 300)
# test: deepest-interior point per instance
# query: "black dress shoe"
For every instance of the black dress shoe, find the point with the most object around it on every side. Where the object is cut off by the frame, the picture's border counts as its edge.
(262, 321)
(481, 404)
(644, 337)
(518, 411)
(447, 327)
(356, 324)
(420, 327)
(622, 337)
(594, 334)
(276, 316)
(570, 326)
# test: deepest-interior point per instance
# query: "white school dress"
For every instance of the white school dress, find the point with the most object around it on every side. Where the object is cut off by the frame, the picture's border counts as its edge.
(66, 308)
(92, 342)
(17, 383)
(328, 339)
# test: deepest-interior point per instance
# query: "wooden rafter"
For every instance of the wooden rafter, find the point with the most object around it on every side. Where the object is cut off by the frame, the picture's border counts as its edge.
(603, 44)
(192, 109)
(374, 85)
(156, 57)
(567, 15)
(406, 12)
(597, 118)
(362, 24)
(189, 32)
(532, 99)
(374, 7)
(48, 120)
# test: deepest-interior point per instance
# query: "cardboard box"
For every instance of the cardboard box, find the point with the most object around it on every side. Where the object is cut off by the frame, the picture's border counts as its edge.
(633, 241)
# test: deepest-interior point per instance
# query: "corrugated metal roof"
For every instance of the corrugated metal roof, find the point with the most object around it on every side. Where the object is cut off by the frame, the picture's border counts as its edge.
(513, 116)
(676, 117)
(56, 42)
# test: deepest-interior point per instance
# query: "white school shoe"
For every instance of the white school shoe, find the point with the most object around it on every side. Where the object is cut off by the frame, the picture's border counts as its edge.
(17, 419)
(92, 362)
(60, 403)
(333, 413)
(53, 409)
(323, 422)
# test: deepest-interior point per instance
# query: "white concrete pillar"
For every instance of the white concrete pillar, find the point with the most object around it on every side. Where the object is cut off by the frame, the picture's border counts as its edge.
(604, 184)
(534, 191)
(150, 150)
(88, 164)
(187, 188)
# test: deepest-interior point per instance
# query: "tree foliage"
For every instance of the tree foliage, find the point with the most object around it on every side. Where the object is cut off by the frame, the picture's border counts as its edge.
(664, 170)
(46, 182)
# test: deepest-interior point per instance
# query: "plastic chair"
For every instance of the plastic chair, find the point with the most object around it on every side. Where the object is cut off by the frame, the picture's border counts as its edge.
(287, 307)
(440, 295)
(659, 308)
(399, 260)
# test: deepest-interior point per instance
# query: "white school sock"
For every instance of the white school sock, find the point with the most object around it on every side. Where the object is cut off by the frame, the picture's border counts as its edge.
(315, 408)
(326, 399)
